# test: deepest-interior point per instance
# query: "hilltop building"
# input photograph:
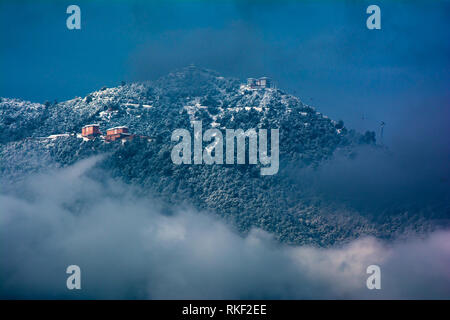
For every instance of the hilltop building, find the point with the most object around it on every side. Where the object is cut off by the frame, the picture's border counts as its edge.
(260, 83)
(265, 82)
(90, 131)
(120, 133)
(116, 133)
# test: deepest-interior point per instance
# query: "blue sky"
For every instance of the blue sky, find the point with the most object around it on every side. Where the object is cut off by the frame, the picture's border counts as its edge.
(318, 50)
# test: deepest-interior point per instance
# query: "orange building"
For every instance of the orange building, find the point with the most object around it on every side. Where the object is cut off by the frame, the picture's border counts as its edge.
(118, 133)
(90, 131)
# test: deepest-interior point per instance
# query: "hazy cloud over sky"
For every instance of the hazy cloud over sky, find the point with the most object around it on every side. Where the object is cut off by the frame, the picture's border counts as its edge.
(127, 249)
(380, 179)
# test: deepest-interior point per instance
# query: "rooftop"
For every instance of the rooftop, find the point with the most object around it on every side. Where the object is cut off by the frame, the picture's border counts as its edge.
(91, 125)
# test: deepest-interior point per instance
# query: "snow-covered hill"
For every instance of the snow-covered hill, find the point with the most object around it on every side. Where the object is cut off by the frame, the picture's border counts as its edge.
(280, 204)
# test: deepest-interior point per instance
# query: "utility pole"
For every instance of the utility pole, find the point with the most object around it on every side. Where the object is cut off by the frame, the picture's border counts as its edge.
(382, 124)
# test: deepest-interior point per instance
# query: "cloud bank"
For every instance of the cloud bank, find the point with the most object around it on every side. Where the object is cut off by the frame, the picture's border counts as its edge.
(379, 178)
(127, 248)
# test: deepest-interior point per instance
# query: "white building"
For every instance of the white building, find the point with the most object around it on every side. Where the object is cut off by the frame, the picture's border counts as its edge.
(263, 82)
